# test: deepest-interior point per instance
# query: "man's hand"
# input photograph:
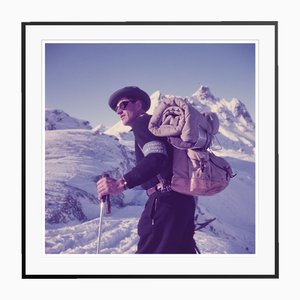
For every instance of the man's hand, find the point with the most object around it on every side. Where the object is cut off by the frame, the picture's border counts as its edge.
(109, 186)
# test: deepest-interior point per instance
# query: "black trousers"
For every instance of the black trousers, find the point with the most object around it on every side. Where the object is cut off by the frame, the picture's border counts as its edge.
(166, 225)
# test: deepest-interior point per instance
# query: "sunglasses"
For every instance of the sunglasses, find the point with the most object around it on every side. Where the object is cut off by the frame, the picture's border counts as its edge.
(122, 105)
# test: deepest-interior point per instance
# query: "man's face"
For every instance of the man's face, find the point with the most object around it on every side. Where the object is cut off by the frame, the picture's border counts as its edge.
(128, 110)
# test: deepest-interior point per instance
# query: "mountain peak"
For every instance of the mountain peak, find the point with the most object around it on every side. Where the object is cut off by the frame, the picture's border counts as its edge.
(99, 128)
(204, 93)
(156, 94)
(239, 109)
(155, 98)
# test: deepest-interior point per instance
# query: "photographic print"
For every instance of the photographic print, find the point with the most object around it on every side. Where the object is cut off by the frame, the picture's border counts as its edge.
(98, 202)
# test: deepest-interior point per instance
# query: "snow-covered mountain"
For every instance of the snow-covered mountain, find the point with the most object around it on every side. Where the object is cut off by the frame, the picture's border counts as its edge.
(58, 119)
(99, 128)
(75, 158)
(237, 129)
(74, 161)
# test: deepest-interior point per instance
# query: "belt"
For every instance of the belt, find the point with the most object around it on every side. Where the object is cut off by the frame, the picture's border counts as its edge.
(163, 188)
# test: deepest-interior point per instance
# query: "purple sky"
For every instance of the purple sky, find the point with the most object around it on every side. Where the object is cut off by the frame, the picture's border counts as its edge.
(81, 77)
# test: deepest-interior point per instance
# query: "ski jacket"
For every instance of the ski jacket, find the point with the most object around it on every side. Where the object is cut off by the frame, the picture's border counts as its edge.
(154, 155)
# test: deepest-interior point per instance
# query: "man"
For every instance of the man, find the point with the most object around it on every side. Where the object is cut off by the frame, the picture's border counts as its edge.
(167, 222)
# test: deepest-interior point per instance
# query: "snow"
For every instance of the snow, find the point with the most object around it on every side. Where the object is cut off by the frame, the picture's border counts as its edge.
(75, 158)
(58, 119)
(119, 229)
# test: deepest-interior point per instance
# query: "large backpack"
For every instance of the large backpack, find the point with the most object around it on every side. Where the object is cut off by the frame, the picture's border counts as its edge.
(196, 170)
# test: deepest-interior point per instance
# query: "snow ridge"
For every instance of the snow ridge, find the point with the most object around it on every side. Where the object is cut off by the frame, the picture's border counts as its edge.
(58, 119)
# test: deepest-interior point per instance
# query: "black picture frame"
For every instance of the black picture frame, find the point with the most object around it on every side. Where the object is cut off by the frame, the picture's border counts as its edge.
(25, 26)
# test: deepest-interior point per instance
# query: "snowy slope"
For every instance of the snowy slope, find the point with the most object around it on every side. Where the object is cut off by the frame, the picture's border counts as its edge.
(75, 158)
(232, 231)
(58, 119)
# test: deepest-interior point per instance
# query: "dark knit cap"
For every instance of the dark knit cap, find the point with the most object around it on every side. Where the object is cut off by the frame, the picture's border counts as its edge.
(130, 92)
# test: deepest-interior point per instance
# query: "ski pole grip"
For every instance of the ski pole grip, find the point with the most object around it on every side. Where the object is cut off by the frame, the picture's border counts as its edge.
(106, 199)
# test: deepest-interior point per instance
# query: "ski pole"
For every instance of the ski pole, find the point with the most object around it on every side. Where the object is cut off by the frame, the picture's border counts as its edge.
(104, 199)
(100, 227)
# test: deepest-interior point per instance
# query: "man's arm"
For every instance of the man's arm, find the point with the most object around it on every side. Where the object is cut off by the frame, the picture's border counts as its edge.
(152, 154)
(147, 168)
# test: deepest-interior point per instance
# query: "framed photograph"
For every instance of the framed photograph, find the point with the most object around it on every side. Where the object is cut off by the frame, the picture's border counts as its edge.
(71, 137)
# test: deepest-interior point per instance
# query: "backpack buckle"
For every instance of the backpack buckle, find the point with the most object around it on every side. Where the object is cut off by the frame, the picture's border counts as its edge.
(163, 188)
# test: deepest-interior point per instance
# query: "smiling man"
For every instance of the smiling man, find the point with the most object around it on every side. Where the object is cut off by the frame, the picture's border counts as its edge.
(167, 222)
